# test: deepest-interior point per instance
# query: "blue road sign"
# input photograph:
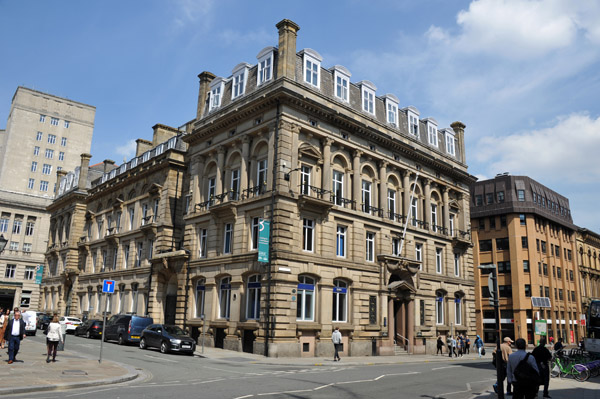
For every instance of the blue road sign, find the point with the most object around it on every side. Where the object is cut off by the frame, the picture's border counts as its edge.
(108, 286)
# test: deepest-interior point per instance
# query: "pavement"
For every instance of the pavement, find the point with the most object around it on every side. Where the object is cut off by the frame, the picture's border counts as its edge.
(72, 369)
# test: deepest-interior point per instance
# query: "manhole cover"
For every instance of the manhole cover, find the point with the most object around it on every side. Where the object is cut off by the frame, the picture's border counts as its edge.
(74, 372)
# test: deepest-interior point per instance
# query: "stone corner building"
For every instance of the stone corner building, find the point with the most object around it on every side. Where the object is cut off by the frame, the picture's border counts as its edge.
(339, 171)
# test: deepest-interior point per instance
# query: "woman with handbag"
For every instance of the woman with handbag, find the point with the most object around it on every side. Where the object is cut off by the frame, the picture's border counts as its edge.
(53, 337)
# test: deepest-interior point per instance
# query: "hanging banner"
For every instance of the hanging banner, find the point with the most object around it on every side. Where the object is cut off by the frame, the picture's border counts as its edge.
(39, 273)
(264, 227)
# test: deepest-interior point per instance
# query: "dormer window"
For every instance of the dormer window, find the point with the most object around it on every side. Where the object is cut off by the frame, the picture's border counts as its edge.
(450, 142)
(391, 109)
(367, 90)
(413, 120)
(265, 65)
(432, 131)
(216, 93)
(239, 78)
(312, 67)
(341, 79)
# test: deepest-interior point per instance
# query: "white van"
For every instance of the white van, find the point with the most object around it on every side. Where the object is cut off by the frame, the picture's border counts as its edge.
(30, 319)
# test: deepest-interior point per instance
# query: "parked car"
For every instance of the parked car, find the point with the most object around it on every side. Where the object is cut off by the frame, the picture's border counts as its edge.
(43, 321)
(71, 323)
(126, 328)
(30, 319)
(90, 328)
(167, 338)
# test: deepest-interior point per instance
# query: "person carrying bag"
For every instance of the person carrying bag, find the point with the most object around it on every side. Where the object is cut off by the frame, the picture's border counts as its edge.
(53, 337)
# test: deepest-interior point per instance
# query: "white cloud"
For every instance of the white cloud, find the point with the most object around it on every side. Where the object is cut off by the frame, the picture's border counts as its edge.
(563, 152)
(230, 36)
(191, 11)
(126, 150)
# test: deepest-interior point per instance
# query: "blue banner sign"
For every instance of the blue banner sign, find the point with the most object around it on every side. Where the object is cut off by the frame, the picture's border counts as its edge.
(264, 227)
(39, 273)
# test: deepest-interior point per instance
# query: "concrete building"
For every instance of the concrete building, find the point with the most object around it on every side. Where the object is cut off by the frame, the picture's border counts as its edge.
(44, 133)
(339, 171)
(526, 230)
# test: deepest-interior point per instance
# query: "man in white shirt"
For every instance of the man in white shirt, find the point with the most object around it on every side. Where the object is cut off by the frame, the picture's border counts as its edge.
(336, 338)
(14, 334)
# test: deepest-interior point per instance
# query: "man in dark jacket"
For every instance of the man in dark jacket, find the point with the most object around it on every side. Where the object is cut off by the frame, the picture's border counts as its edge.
(14, 334)
(542, 357)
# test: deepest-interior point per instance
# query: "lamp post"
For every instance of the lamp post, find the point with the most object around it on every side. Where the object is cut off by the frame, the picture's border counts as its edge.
(3, 242)
(493, 287)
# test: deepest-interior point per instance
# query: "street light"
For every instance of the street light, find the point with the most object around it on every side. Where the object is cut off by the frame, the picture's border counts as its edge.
(3, 242)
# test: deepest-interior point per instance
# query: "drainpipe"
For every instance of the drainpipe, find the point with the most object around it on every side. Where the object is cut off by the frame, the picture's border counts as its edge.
(273, 187)
(187, 287)
(149, 288)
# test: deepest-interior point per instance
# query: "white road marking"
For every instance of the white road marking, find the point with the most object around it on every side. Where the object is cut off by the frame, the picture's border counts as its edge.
(206, 382)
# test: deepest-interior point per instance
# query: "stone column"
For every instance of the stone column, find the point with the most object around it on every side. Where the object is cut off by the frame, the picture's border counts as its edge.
(464, 199)
(406, 192)
(197, 169)
(220, 166)
(271, 157)
(446, 208)
(245, 161)
(427, 210)
(383, 187)
(326, 176)
(391, 322)
(356, 181)
(410, 330)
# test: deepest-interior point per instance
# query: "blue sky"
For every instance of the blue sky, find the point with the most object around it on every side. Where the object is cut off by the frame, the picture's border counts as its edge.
(522, 75)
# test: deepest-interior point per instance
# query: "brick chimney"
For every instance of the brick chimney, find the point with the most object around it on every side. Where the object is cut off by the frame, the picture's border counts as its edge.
(162, 133)
(459, 130)
(109, 165)
(83, 170)
(142, 146)
(205, 79)
(286, 62)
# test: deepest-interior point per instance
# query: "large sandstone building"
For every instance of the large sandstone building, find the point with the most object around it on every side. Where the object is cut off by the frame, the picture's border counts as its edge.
(44, 134)
(368, 206)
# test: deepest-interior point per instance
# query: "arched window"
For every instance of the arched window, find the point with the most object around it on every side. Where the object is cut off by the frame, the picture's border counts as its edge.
(224, 297)
(200, 290)
(253, 298)
(439, 308)
(340, 301)
(306, 299)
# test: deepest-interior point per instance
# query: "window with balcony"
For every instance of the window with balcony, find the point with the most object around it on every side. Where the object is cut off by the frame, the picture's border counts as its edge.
(338, 187)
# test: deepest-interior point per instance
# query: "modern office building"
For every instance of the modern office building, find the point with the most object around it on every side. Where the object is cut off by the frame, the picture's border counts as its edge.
(526, 230)
(43, 134)
(340, 173)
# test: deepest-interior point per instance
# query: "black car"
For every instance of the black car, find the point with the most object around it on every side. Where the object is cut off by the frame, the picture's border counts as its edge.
(125, 328)
(167, 338)
(43, 321)
(90, 328)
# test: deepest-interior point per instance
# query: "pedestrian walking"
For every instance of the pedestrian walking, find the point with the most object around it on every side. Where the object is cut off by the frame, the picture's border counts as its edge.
(14, 334)
(527, 388)
(542, 358)
(453, 343)
(53, 337)
(559, 345)
(467, 345)
(449, 343)
(336, 338)
(505, 352)
(459, 345)
(440, 345)
(4, 318)
(479, 345)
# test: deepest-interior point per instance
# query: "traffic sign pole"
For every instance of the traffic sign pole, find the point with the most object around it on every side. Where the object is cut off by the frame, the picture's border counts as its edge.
(493, 287)
(107, 288)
